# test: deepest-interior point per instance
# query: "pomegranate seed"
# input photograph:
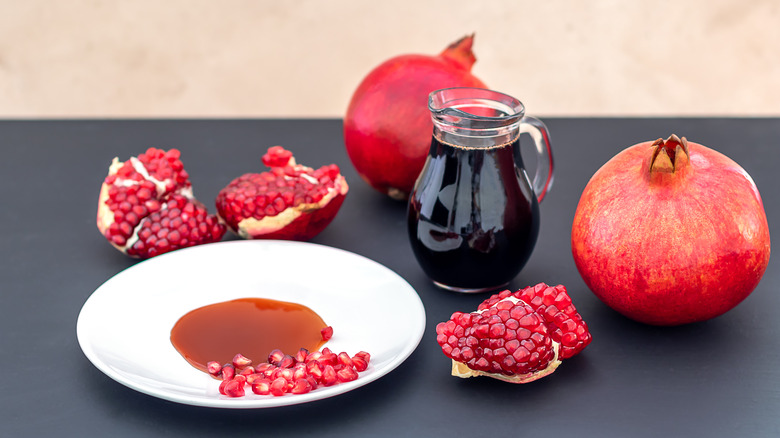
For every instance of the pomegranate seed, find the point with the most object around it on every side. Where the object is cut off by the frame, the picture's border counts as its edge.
(278, 387)
(234, 388)
(286, 373)
(329, 377)
(214, 368)
(359, 364)
(344, 359)
(247, 371)
(251, 379)
(301, 355)
(228, 371)
(347, 374)
(313, 356)
(240, 361)
(299, 371)
(301, 386)
(287, 361)
(365, 356)
(328, 358)
(223, 385)
(312, 382)
(313, 369)
(261, 368)
(262, 387)
(275, 357)
(327, 333)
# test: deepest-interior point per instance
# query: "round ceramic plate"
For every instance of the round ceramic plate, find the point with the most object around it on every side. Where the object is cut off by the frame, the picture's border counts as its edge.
(124, 327)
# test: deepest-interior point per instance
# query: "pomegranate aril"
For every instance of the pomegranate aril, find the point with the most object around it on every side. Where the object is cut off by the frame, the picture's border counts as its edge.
(329, 376)
(278, 387)
(301, 355)
(241, 361)
(234, 388)
(347, 374)
(214, 368)
(287, 361)
(344, 359)
(261, 368)
(228, 371)
(247, 371)
(327, 333)
(261, 387)
(359, 363)
(275, 357)
(301, 386)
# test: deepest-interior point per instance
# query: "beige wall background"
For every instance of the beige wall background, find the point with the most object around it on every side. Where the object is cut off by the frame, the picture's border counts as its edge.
(275, 58)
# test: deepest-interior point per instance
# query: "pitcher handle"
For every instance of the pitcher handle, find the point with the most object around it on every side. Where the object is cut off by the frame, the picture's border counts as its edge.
(543, 178)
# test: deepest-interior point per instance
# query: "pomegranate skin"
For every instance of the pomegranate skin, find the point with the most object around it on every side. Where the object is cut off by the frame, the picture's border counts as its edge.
(671, 247)
(387, 128)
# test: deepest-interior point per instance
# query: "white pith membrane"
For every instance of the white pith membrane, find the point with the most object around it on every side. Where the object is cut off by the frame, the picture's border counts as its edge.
(460, 369)
(105, 216)
(251, 226)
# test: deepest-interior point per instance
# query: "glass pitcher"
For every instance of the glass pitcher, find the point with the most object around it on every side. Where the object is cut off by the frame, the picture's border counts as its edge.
(473, 215)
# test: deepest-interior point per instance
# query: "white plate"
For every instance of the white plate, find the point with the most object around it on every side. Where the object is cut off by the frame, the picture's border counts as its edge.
(124, 327)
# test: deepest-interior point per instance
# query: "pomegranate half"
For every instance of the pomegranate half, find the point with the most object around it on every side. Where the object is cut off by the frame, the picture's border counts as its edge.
(387, 128)
(671, 232)
(290, 201)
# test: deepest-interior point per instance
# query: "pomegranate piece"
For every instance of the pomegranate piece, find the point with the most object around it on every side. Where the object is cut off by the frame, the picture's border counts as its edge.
(146, 206)
(286, 374)
(290, 201)
(516, 337)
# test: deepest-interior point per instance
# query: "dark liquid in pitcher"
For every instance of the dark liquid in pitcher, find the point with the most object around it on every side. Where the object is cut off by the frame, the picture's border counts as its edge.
(473, 218)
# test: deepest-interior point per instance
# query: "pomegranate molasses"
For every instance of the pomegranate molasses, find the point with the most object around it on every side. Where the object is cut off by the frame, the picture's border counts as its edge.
(250, 326)
(473, 218)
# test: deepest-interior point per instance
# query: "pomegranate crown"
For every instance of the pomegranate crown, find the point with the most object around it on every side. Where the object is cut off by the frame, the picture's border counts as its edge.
(460, 52)
(669, 154)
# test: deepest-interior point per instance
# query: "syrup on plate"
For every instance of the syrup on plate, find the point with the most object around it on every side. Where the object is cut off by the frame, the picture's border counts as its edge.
(250, 326)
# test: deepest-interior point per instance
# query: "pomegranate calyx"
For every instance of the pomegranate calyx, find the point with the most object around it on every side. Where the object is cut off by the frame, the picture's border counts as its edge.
(460, 52)
(669, 155)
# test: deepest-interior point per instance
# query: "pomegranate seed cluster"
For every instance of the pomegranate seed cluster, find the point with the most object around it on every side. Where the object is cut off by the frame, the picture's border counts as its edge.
(286, 374)
(520, 336)
(286, 185)
(554, 304)
(181, 223)
(508, 338)
(146, 206)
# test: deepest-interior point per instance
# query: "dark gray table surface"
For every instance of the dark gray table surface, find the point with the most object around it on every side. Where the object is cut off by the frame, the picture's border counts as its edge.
(716, 378)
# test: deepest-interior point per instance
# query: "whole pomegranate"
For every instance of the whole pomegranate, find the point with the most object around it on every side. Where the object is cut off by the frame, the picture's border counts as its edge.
(671, 232)
(387, 128)
(517, 337)
(146, 206)
(290, 201)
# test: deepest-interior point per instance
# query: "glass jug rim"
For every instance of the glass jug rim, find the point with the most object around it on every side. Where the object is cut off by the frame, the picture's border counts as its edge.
(441, 102)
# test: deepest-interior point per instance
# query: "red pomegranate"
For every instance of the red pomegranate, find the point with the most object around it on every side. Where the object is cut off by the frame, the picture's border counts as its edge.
(291, 201)
(387, 128)
(516, 337)
(146, 206)
(671, 232)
